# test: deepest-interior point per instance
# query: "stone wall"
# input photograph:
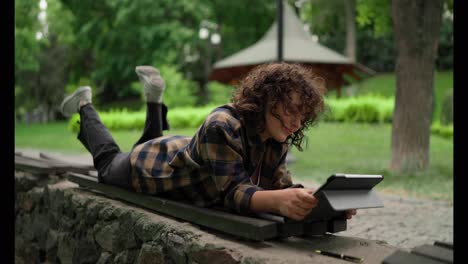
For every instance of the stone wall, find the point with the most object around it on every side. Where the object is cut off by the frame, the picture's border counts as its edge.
(57, 222)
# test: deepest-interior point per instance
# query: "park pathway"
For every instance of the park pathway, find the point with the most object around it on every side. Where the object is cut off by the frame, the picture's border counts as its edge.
(404, 222)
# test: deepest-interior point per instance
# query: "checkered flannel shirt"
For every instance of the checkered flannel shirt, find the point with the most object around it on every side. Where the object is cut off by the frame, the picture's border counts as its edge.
(213, 167)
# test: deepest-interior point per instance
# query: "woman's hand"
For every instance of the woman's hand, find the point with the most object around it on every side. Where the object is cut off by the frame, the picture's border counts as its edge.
(350, 213)
(295, 203)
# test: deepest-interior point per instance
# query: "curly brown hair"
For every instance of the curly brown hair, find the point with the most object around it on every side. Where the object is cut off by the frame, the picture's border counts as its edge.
(273, 83)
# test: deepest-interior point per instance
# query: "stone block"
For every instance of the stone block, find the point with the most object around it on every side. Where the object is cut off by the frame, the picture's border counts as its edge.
(40, 226)
(126, 256)
(65, 249)
(213, 256)
(24, 181)
(25, 202)
(150, 253)
(107, 236)
(29, 253)
(107, 213)
(51, 246)
(52, 239)
(86, 252)
(53, 219)
(54, 195)
(19, 260)
(114, 236)
(27, 232)
(91, 214)
(37, 194)
(105, 258)
(177, 255)
(67, 223)
(147, 230)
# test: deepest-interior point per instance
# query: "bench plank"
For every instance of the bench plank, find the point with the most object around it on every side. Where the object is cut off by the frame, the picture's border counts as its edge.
(438, 253)
(67, 165)
(402, 257)
(44, 165)
(32, 165)
(241, 226)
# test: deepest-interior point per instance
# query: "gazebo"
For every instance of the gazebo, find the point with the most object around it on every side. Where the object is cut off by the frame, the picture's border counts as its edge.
(298, 47)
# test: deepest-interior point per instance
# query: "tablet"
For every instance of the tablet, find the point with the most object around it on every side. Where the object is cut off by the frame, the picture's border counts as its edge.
(341, 181)
(342, 192)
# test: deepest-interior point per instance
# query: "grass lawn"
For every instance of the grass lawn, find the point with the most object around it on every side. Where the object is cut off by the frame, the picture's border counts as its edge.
(365, 149)
(332, 147)
(384, 84)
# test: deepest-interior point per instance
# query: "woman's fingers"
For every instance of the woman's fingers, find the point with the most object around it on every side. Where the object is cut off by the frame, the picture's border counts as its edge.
(298, 216)
(350, 213)
(303, 205)
(307, 198)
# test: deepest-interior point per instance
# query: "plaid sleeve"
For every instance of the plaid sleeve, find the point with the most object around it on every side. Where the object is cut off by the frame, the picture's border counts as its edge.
(221, 148)
(282, 177)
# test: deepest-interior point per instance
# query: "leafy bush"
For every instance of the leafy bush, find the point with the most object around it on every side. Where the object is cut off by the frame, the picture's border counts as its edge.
(446, 115)
(334, 110)
(135, 89)
(73, 124)
(179, 91)
(369, 108)
(71, 87)
(114, 120)
(220, 93)
(445, 131)
(187, 117)
(366, 113)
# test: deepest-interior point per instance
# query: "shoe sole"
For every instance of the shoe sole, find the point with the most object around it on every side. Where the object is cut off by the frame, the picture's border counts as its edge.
(146, 74)
(146, 69)
(73, 96)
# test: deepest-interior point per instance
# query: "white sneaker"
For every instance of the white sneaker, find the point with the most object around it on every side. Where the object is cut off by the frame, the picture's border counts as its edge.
(71, 103)
(152, 81)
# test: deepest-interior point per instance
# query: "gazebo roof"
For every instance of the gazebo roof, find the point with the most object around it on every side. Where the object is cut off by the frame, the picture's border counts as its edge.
(298, 46)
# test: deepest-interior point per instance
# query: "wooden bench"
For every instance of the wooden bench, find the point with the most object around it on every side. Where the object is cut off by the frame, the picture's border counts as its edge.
(439, 252)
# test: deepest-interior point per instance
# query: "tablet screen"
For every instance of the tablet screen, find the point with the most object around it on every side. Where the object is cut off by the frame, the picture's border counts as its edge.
(341, 181)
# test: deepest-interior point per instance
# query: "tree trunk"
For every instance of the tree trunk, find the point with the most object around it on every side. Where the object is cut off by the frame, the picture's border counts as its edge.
(416, 24)
(350, 49)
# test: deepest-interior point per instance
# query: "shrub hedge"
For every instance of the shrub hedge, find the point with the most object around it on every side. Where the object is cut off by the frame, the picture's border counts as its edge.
(183, 117)
(445, 131)
(368, 109)
(365, 109)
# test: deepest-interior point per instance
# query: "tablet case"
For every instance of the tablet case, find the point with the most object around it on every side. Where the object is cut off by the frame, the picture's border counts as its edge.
(349, 192)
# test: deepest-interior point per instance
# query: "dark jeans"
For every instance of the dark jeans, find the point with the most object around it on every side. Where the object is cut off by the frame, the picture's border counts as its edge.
(113, 166)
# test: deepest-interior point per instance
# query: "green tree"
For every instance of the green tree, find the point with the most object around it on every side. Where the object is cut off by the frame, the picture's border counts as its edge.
(26, 26)
(416, 32)
(416, 24)
(112, 37)
(40, 81)
(240, 23)
(327, 20)
(445, 52)
(26, 50)
(334, 23)
(375, 13)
